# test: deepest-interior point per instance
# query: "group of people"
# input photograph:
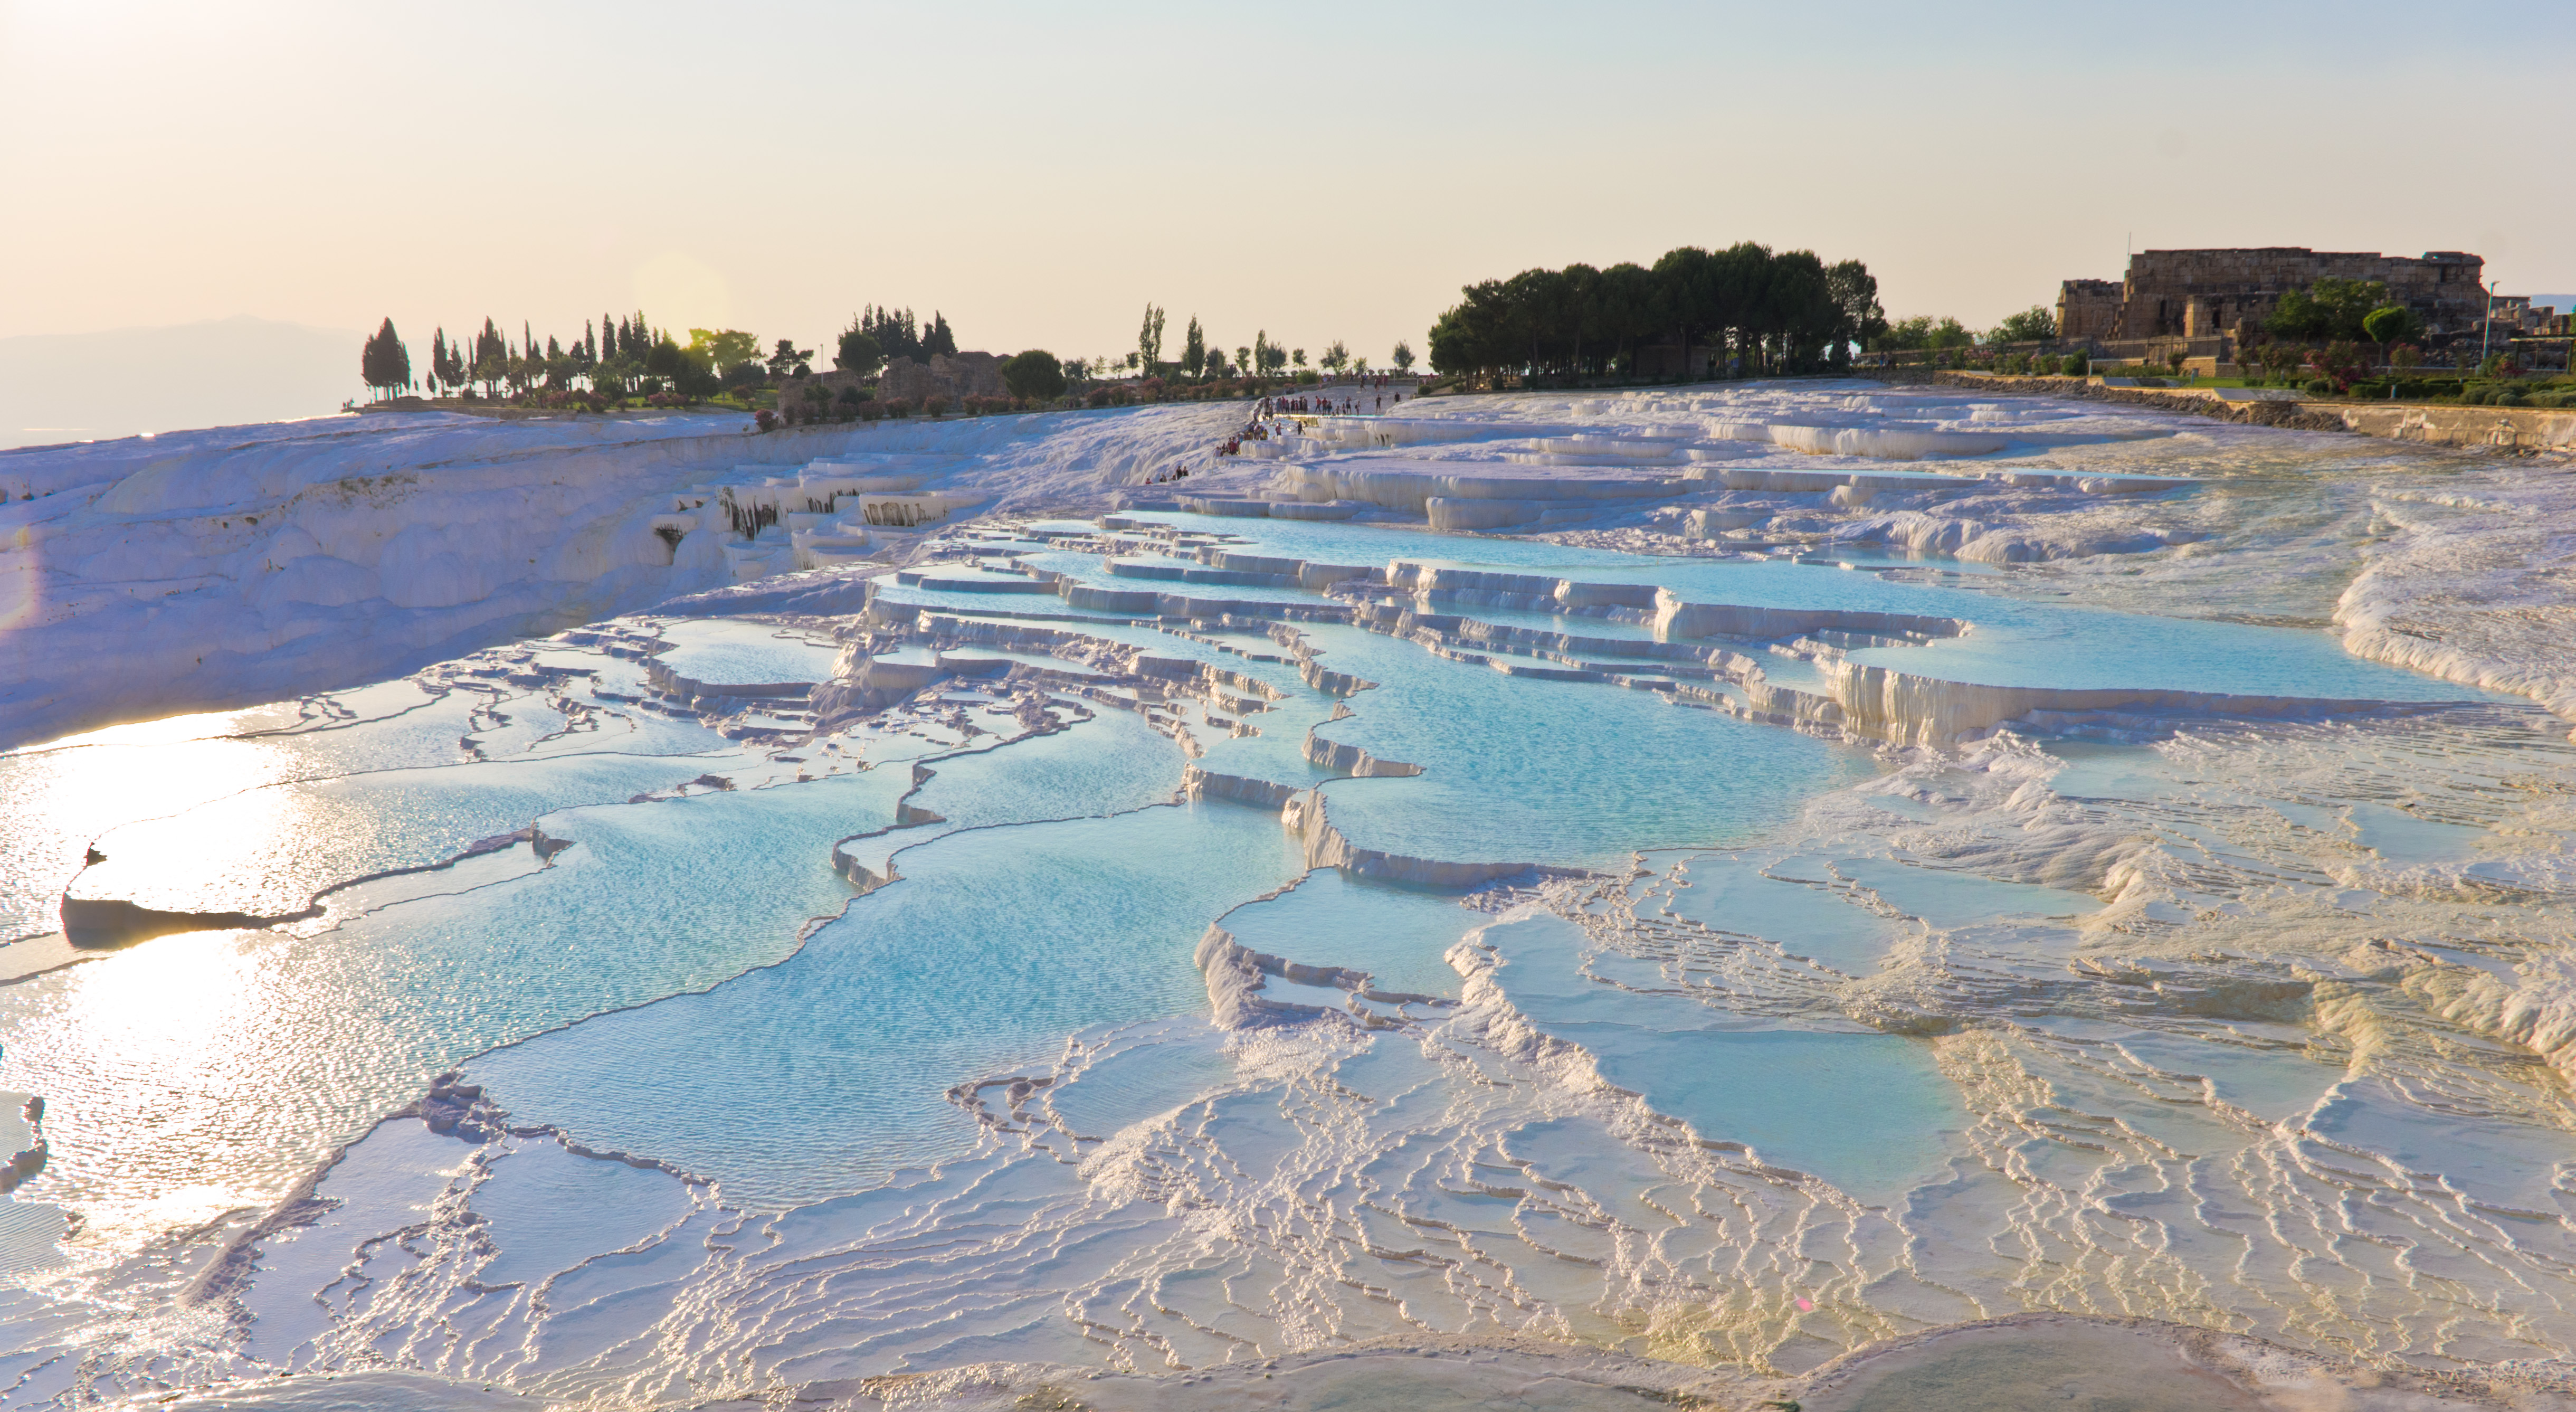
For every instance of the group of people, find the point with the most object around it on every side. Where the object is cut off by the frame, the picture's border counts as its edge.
(1270, 411)
(1348, 406)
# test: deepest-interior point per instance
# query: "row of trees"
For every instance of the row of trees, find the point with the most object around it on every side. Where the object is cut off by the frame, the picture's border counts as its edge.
(615, 356)
(877, 336)
(1754, 311)
(1203, 358)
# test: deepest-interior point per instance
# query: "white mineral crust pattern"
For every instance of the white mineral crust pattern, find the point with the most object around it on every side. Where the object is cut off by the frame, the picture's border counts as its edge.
(1815, 892)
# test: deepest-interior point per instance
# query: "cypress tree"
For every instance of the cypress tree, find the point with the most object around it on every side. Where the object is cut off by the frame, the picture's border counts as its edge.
(937, 340)
(438, 359)
(384, 362)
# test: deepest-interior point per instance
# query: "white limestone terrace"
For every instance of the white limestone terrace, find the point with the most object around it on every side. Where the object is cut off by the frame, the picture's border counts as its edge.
(2440, 559)
(216, 568)
(1723, 464)
(2079, 908)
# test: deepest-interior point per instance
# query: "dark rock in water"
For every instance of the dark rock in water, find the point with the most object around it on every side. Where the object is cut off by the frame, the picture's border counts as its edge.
(18, 1170)
(103, 923)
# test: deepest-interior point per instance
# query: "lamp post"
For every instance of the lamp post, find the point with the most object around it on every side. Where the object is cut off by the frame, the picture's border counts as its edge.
(2486, 326)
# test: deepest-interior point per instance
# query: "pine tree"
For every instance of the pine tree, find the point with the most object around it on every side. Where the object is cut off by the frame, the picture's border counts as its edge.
(937, 340)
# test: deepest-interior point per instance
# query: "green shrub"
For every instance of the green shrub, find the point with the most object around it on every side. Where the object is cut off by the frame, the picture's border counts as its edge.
(2391, 323)
(1035, 373)
(2320, 387)
(2076, 365)
(2509, 397)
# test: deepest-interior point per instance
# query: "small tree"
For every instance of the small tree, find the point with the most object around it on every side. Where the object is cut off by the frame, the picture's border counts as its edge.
(1243, 362)
(718, 352)
(1194, 349)
(2404, 357)
(1034, 375)
(1149, 338)
(1402, 358)
(384, 362)
(2032, 325)
(2391, 323)
(1297, 356)
(1336, 357)
(859, 353)
(787, 360)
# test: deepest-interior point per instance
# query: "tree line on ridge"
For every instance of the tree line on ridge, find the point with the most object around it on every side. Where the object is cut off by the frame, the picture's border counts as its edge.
(1742, 310)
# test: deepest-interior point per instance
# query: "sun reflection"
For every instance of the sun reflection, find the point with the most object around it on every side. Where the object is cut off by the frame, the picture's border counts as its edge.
(156, 1066)
(55, 802)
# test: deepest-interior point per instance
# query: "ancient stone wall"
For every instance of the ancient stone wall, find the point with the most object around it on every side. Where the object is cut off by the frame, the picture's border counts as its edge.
(2206, 294)
(2088, 308)
(949, 376)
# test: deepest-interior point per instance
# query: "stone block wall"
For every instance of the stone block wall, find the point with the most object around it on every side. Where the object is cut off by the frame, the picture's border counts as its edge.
(2205, 294)
(952, 377)
(2088, 308)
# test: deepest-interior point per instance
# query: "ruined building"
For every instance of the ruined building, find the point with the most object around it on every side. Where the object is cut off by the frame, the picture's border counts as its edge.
(2200, 295)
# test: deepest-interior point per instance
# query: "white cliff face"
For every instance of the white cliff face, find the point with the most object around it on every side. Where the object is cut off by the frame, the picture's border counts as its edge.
(217, 568)
(213, 568)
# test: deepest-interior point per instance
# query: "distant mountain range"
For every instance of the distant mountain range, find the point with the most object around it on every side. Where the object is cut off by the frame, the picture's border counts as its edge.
(92, 386)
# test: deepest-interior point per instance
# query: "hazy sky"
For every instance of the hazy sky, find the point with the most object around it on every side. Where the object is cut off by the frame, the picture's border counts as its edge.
(1040, 171)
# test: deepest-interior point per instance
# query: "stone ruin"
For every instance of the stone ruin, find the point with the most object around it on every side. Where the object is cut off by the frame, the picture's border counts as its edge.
(2223, 297)
(953, 376)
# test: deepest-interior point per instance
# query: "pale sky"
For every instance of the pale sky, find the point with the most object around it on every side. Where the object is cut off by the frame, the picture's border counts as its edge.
(1039, 172)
